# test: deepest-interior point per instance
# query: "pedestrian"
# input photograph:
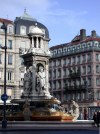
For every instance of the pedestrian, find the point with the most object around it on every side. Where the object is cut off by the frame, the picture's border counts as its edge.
(95, 118)
(98, 118)
(81, 115)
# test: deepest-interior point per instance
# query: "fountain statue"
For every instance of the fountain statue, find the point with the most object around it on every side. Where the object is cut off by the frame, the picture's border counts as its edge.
(75, 110)
(36, 84)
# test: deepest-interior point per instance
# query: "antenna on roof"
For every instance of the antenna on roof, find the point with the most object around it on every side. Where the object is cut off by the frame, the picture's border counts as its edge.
(78, 33)
(7, 16)
(25, 10)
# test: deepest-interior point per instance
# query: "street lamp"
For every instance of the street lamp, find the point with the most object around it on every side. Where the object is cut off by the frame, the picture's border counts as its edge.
(4, 97)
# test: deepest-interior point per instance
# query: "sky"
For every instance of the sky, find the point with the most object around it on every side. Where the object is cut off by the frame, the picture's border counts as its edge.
(63, 18)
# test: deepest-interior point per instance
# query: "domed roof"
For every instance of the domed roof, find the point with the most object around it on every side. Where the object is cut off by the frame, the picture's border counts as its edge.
(27, 21)
(36, 30)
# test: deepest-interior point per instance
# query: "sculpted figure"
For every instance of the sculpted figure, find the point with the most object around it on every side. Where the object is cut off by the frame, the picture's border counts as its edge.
(41, 76)
(27, 82)
(75, 110)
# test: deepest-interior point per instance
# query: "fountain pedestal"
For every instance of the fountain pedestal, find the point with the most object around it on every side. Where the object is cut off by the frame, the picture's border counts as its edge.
(36, 83)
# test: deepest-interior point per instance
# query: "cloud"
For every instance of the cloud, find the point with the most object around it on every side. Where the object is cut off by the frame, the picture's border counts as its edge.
(15, 7)
(51, 13)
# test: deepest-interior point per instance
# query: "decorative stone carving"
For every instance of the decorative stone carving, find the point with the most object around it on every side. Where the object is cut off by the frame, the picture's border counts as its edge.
(75, 110)
(27, 82)
(41, 76)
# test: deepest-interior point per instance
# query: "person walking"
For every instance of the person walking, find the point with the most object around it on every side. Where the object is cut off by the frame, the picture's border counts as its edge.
(95, 118)
(98, 118)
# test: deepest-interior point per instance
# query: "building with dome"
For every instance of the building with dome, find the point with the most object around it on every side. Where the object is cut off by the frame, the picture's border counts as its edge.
(23, 34)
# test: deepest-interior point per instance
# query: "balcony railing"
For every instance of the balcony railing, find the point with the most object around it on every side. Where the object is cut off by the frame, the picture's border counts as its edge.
(75, 88)
(77, 51)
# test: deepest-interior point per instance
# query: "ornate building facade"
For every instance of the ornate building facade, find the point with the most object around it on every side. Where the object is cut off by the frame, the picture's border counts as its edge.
(19, 40)
(74, 70)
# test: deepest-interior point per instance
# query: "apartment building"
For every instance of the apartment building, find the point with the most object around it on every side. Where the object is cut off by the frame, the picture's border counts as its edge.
(74, 70)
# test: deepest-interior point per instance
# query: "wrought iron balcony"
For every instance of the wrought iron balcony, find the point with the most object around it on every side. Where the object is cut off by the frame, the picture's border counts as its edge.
(74, 74)
(75, 88)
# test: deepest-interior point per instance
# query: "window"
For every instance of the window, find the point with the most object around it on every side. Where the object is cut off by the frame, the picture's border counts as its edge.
(0, 74)
(59, 51)
(78, 96)
(58, 96)
(50, 85)
(97, 95)
(0, 43)
(89, 69)
(69, 97)
(9, 93)
(83, 58)
(0, 59)
(64, 61)
(9, 75)
(88, 57)
(9, 59)
(89, 81)
(69, 60)
(54, 74)
(54, 52)
(84, 82)
(78, 47)
(1, 30)
(43, 30)
(59, 62)
(9, 44)
(73, 60)
(83, 95)
(59, 73)
(96, 44)
(73, 48)
(31, 28)
(97, 57)
(64, 50)
(64, 84)
(54, 63)
(54, 85)
(23, 30)
(64, 72)
(50, 74)
(10, 29)
(78, 59)
(59, 85)
(84, 70)
(97, 69)
(83, 45)
(68, 49)
(97, 81)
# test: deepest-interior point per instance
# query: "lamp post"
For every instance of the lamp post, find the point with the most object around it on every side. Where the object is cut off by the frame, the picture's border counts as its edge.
(4, 97)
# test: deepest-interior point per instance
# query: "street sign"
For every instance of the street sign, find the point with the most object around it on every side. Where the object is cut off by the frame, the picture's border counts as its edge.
(4, 97)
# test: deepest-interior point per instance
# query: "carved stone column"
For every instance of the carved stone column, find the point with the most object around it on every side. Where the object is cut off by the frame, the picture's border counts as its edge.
(37, 42)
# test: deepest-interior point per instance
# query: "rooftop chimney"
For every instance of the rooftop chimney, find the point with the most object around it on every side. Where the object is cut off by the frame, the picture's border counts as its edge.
(93, 33)
(82, 34)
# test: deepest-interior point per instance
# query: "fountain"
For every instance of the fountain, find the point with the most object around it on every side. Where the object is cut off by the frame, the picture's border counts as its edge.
(36, 102)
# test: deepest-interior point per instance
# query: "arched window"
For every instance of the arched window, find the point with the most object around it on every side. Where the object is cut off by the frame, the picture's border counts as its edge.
(23, 30)
(31, 29)
(10, 29)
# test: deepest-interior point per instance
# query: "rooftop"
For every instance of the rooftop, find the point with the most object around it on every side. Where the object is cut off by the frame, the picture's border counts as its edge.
(78, 39)
(26, 16)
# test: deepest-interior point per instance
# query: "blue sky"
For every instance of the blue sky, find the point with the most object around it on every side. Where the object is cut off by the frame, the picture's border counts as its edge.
(63, 18)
